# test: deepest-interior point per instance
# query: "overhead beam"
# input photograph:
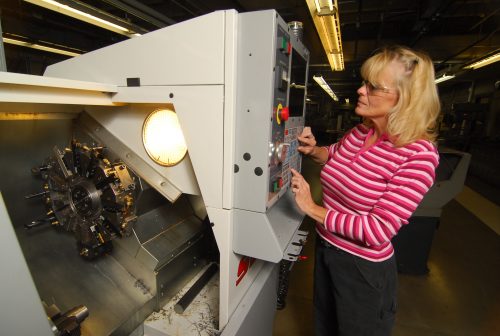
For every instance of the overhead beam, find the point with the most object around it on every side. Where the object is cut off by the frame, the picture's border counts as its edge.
(138, 13)
(150, 11)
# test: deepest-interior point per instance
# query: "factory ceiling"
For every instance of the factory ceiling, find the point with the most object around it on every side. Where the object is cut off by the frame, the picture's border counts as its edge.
(453, 33)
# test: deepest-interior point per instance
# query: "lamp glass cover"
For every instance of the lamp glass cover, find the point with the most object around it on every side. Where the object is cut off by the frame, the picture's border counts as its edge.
(163, 139)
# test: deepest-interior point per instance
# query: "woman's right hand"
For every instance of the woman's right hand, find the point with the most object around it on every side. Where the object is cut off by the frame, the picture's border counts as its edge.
(307, 141)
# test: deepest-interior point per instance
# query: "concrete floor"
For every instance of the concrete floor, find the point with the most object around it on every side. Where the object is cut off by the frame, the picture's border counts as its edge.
(460, 296)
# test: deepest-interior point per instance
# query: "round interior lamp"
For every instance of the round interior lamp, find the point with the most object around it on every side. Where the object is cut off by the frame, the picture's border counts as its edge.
(163, 139)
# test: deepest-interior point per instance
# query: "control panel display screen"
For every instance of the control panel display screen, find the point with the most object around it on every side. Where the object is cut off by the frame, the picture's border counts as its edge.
(297, 84)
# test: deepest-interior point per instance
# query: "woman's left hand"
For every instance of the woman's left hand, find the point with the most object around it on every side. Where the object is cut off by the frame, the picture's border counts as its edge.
(302, 192)
(304, 198)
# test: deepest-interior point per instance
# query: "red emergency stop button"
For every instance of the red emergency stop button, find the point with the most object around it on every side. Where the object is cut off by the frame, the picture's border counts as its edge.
(284, 114)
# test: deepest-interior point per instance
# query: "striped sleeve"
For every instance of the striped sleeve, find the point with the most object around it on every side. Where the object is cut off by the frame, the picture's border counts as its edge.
(331, 150)
(404, 192)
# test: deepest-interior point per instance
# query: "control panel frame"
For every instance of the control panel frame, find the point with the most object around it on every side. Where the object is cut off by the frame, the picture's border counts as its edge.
(266, 145)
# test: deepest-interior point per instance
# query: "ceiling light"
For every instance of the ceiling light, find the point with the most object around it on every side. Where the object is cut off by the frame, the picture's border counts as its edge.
(84, 16)
(485, 61)
(326, 19)
(39, 47)
(443, 78)
(324, 85)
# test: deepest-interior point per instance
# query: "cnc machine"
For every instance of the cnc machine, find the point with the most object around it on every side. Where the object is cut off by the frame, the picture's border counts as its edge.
(132, 172)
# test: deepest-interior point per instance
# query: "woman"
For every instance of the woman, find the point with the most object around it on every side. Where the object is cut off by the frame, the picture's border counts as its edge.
(373, 179)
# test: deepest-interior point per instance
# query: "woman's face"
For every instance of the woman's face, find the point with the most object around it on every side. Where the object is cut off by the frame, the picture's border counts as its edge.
(377, 98)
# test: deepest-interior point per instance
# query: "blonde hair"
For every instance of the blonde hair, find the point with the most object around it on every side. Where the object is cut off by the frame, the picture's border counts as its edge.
(414, 116)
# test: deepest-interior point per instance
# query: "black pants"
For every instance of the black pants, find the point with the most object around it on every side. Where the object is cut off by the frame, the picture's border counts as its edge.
(353, 296)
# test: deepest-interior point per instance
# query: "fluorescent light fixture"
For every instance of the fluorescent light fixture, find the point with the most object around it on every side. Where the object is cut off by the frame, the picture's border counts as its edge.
(325, 16)
(39, 47)
(324, 85)
(485, 61)
(443, 78)
(83, 16)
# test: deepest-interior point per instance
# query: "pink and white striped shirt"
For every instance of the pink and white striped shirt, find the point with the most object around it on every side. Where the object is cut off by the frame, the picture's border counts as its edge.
(371, 192)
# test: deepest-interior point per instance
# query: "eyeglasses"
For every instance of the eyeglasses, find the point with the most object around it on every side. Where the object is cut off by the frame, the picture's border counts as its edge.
(372, 88)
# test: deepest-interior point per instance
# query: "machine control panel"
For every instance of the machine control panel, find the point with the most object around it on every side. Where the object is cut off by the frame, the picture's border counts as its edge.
(287, 119)
(272, 81)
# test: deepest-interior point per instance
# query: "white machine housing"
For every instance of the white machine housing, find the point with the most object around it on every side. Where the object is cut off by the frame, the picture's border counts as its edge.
(228, 77)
